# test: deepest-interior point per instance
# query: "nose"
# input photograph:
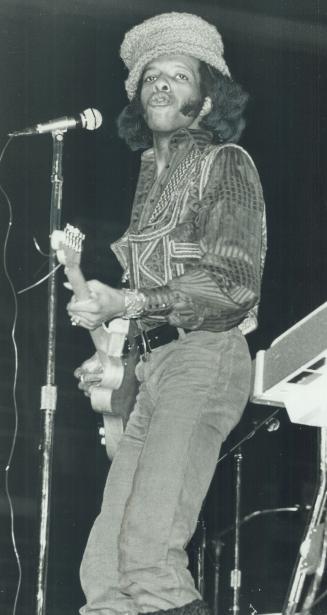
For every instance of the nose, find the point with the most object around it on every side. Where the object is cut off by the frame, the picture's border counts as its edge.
(162, 84)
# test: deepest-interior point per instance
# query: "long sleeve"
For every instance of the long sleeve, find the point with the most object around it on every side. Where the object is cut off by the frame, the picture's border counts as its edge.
(219, 289)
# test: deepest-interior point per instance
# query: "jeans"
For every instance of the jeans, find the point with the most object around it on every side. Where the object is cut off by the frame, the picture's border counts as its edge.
(192, 393)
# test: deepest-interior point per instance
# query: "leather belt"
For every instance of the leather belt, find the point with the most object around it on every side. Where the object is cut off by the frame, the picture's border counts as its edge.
(153, 338)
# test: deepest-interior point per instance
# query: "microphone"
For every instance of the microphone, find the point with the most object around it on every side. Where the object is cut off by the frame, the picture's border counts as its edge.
(90, 119)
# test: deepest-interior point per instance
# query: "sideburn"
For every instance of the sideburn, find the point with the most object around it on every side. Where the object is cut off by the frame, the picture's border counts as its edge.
(192, 108)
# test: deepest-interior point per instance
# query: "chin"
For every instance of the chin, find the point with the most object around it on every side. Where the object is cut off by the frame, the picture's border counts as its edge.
(162, 123)
(162, 119)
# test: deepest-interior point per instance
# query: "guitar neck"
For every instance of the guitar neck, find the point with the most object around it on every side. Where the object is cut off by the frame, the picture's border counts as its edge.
(81, 290)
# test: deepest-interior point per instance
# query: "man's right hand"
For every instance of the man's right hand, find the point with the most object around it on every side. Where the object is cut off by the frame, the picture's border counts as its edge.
(89, 374)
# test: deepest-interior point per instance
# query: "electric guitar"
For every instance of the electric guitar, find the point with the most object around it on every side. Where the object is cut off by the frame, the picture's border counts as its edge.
(114, 397)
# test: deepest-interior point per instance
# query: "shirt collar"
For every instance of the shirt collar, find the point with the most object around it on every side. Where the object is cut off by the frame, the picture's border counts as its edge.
(184, 138)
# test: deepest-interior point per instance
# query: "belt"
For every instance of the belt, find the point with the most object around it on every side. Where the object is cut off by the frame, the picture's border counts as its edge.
(153, 338)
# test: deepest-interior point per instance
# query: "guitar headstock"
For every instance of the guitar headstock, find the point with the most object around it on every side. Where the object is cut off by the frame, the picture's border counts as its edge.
(72, 245)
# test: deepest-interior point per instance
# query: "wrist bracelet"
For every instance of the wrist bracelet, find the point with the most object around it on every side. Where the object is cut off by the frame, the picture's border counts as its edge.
(134, 303)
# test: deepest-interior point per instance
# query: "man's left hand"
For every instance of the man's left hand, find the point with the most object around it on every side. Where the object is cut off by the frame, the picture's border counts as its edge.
(104, 304)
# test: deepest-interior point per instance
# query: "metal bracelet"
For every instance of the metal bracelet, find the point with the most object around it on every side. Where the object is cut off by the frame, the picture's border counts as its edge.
(134, 303)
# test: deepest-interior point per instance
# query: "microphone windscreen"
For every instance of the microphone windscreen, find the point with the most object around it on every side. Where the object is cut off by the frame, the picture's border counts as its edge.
(91, 118)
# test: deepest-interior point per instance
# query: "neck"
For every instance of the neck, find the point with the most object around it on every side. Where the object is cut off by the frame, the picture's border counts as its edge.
(161, 150)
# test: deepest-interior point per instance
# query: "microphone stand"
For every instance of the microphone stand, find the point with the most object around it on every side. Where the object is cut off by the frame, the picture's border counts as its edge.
(236, 575)
(49, 390)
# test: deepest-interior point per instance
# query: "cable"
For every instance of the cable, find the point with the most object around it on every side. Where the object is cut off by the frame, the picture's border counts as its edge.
(14, 438)
(264, 511)
(4, 151)
(37, 246)
(24, 290)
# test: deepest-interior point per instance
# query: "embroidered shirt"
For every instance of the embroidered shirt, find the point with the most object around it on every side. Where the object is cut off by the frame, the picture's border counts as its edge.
(197, 239)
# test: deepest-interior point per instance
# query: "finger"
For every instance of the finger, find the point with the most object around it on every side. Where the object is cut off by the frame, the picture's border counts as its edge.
(93, 370)
(84, 389)
(79, 372)
(82, 325)
(85, 316)
(88, 305)
(86, 320)
(87, 325)
(91, 378)
(83, 386)
(75, 320)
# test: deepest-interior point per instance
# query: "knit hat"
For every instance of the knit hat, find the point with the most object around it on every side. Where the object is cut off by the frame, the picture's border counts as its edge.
(170, 33)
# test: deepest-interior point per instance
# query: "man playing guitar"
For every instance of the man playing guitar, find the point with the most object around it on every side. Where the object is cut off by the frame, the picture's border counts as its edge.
(193, 255)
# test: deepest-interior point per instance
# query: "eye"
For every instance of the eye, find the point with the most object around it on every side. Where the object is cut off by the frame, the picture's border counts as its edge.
(149, 78)
(182, 77)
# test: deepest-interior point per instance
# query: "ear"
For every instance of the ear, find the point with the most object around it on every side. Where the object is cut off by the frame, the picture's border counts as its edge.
(206, 107)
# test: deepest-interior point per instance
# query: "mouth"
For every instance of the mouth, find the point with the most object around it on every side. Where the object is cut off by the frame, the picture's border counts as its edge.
(159, 99)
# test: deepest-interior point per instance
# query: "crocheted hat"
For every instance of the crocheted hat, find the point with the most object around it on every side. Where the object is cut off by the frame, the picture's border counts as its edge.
(170, 33)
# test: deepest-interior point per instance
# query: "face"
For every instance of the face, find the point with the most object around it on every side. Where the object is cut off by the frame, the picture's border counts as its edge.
(170, 93)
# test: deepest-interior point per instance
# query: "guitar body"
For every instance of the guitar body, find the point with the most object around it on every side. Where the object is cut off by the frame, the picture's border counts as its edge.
(115, 396)
(110, 355)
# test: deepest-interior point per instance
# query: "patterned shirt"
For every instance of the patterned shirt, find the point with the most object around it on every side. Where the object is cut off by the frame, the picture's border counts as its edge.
(196, 243)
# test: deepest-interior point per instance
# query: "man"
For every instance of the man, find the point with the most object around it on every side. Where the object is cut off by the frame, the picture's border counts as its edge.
(193, 255)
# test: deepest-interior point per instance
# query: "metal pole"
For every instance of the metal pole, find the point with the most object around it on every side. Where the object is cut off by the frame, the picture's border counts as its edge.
(235, 580)
(200, 557)
(216, 549)
(49, 390)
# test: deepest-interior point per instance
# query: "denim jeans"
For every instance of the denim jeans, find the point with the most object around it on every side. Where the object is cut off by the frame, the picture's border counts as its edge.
(192, 393)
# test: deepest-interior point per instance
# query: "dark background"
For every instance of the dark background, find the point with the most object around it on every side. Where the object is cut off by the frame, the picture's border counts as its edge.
(60, 57)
